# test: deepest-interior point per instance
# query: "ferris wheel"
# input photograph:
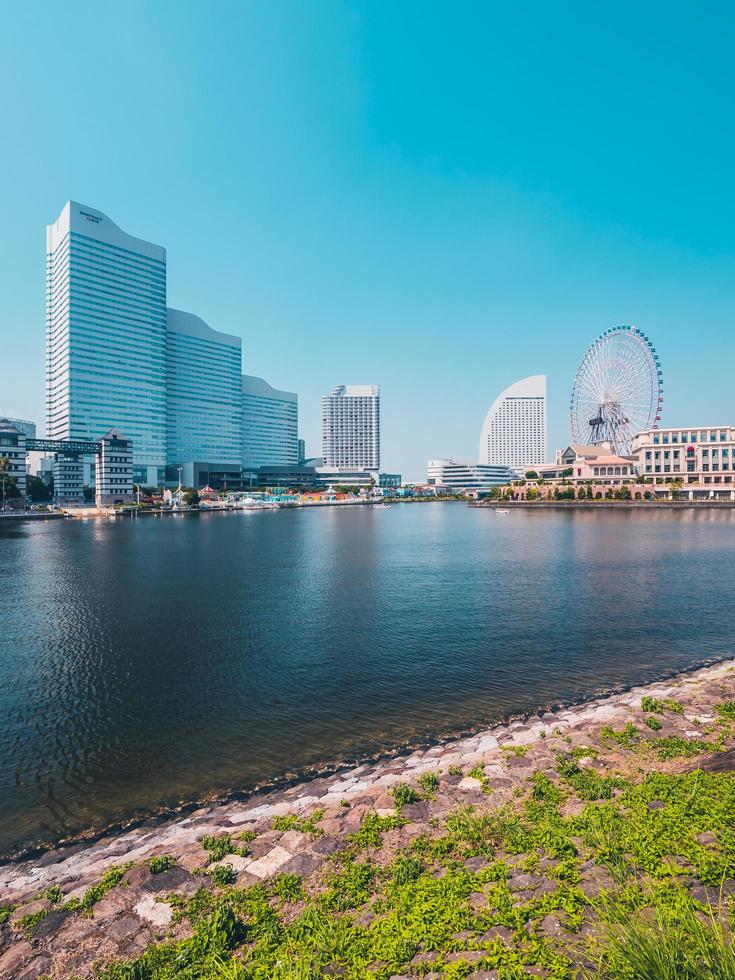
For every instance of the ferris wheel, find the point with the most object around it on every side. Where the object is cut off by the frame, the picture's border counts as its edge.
(618, 390)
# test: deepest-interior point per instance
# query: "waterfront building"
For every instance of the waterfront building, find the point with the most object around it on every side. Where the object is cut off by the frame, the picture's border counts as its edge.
(458, 476)
(701, 459)
(302, 451)
(13, 448)
(351, 428)
(68, 470)
(514, 431)
(204, 415)
(114, 470)
(106, 336)
(270, 425)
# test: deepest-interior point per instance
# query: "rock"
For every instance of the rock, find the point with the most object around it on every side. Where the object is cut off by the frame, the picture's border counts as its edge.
(552, 927)
(37, 967)
(466, 956)
(706, 838)
(123, 928)
(469, 782)
(14, 958)
(157, 913)
(269, 863)
(430, 957)
(327, 845)
(32, 908)
(171, 880)
(475, 863)
(302, 864)
(494, 933)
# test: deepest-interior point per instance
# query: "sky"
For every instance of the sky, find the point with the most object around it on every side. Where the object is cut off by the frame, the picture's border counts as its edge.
(439, 198)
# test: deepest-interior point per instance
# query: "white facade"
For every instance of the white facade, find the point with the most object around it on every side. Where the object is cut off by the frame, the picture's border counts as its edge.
(270, 425)
(351, 427)
(701, 457)
(514, 431)
(106, 335)
(466, 476)
(114, 470)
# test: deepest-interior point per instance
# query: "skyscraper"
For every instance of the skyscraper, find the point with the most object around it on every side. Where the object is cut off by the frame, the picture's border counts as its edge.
(106, 336)
(270, 425)
(203, 392)
(514, 431)
(351, 427)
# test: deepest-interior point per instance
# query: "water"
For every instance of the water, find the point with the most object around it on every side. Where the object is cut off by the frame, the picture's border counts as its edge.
(147, 662)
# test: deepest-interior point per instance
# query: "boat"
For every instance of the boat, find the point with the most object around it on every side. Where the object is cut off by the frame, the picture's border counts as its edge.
(381, 506)
(502, 510)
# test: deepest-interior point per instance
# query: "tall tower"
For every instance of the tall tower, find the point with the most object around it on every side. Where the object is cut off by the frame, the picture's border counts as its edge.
(106, 336)
(351, 427)
(514, 431)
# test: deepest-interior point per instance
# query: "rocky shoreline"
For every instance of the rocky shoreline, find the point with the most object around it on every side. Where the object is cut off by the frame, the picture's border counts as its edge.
(61, 917)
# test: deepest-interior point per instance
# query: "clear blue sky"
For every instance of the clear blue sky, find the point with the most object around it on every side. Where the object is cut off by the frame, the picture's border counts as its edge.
(436, 197)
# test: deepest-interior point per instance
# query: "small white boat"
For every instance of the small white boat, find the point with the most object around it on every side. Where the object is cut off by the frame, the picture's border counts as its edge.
(502, 510)
(381, 506)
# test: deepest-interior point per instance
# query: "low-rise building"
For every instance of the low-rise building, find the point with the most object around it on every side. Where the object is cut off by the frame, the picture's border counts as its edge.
(114, 484)
(701, 460)
(13, 448)
(466, 476)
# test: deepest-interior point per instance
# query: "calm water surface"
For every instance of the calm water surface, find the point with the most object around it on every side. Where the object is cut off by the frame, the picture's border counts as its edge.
(152, 661)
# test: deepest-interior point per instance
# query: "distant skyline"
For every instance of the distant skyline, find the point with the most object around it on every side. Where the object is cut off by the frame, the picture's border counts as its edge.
(437, 200)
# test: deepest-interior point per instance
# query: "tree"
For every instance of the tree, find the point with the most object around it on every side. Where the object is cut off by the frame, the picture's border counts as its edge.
(623, 493)
(568, 471)
(9, 484)
(191, 497)
(581, 494)
(36, 489)
(532, 475)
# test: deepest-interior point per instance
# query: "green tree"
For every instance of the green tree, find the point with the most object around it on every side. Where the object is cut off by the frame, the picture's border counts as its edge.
(191, 497)
(531, 475)
(581, 494)
(36, 490)
(9, 485)
(623, 493)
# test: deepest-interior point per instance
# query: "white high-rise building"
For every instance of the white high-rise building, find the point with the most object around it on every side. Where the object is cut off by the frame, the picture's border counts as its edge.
(514, 431)
(351, 427)
(106, 336)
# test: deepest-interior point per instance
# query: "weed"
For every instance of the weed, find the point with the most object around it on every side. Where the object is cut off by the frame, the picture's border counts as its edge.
(626, 738)
(455, 770)
(217, 847)
(674, 747)
(518, 750)
(726, 710)
(429, 782)
(54, 894)
(222, 874)
(404, 794)
(287, 887)
(371, 831)
(654, 724)
(304, 825)
(161, 863)
(652, 704)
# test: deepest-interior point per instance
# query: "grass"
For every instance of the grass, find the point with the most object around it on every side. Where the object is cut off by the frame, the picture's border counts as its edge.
(163, 862)
(304, 825)
(403, 794)
(222, 874)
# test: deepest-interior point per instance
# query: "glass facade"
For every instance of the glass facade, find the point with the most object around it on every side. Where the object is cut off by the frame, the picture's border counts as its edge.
(204, 392)
(106, 335)
(270, 425)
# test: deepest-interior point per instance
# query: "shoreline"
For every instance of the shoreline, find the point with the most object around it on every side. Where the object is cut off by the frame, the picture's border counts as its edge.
(450, 814)
(167, 818)
(331, 769)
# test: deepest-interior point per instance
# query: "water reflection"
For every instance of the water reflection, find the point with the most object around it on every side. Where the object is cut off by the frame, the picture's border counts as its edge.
(145, 662)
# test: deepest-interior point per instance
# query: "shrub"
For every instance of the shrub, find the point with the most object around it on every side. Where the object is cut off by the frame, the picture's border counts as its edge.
(654, 724)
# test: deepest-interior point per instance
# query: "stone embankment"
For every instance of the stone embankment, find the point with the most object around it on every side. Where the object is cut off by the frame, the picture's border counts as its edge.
(103, 901)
